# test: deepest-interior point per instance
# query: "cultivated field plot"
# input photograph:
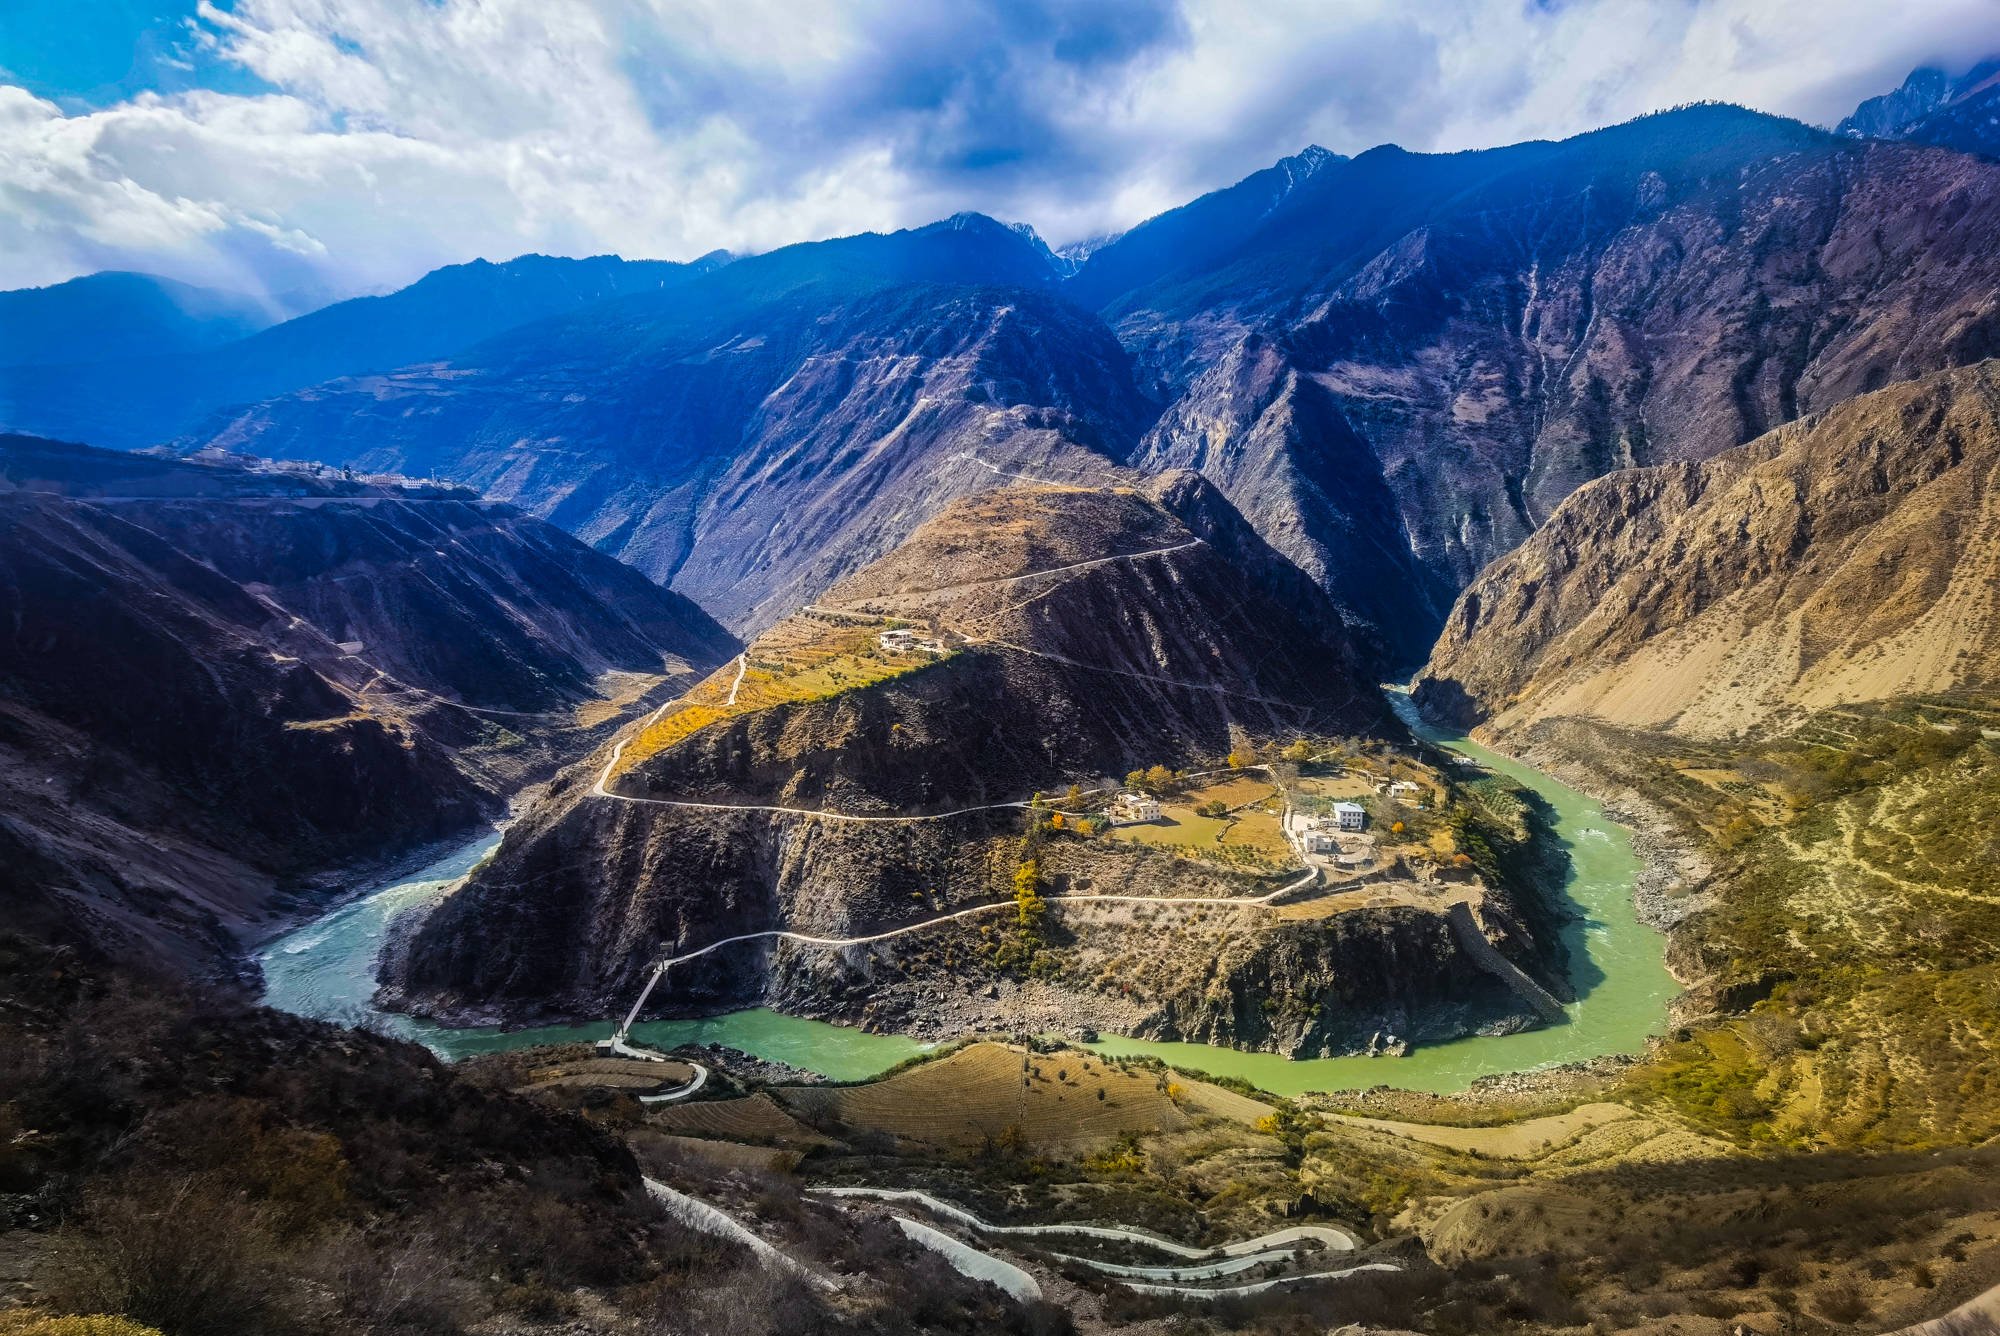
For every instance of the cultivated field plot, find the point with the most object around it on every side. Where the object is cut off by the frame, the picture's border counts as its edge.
(1250, 832)
(756, 1120)
(805, 657)
(1509, 1141)
(1338, 786)
(630, 1074)
(1238, 792)
(1066, 1101)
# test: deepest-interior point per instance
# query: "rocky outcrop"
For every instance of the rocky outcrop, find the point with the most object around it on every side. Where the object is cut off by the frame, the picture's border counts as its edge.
(216, 682)
(1850, 556)
(1933, 107)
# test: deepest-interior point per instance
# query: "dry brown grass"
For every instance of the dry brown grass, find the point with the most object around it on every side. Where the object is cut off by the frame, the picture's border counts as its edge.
(757, 1119)
(617, 691)
(982, 1094)
(728, 1154)
(1531, 1137)
(805, 657)
(609, 1074)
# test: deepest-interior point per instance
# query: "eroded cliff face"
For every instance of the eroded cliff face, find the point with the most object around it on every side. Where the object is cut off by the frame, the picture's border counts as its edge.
(215, 683)
(765, 431)
(1396, 366)
(1401, 373)
(1850, 556)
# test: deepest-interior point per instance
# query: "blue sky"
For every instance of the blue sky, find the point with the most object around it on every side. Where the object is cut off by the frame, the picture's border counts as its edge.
(350, 145)
(94, 53)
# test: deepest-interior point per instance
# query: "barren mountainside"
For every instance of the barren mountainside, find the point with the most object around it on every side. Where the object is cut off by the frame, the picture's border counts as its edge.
(1849, 556)
(1396, 365)
(214, 683)
(1400, 375)
(749, 448)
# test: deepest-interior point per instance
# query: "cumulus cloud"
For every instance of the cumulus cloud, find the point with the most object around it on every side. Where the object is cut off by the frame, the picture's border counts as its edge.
(391, 137)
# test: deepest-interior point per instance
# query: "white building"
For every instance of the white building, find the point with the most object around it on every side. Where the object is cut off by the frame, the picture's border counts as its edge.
(1129, 808)
(1351, 816)
(901, 639)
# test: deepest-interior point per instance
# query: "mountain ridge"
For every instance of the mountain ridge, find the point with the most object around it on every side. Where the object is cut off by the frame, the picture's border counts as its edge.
(146, 401)
(1395, 365)
(115, 313)
(1395, 372)
(218, 685)
(1844, 557)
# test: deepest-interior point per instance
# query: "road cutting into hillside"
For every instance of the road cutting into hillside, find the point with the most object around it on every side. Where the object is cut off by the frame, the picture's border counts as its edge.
(805, 939)
(1200, 1264)
(1016, 579)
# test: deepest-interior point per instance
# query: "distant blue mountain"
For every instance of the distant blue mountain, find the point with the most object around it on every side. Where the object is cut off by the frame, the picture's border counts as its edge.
(116, 315)
(139, 397)
(1932, 107)
(1195, 234)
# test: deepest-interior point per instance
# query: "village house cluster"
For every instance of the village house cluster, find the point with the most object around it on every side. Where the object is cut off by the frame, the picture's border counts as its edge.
(214, 455)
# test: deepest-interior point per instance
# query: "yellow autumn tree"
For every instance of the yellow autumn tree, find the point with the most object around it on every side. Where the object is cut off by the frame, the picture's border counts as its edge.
(1028, 903)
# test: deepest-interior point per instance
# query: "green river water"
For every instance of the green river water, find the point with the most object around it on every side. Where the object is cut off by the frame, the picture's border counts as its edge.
(327, 970)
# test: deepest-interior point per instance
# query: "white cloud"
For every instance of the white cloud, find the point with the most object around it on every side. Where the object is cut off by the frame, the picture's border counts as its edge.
(402, 136)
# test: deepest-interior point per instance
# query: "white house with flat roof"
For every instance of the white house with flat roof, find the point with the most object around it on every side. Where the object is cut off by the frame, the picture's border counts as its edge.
(1129, 808)
(902, 640)
(1351, 816)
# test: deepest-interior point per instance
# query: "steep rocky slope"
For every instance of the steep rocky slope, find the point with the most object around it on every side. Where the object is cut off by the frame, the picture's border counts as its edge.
(216, 682)
(1400, 373)
(1396, 366)
(1849, 556)
(769, 429)
(1932, 107)
(1083, 633)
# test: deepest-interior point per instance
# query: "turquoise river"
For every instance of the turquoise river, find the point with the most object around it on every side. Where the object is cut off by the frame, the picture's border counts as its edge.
(326, 969)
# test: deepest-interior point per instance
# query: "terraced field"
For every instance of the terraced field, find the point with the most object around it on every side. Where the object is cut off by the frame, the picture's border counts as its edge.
(756, 1120)
(809, 656)
(610, 1074)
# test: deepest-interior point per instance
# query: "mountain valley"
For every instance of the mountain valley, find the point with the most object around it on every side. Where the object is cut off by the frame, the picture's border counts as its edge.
(867, 788)
(221, 683)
